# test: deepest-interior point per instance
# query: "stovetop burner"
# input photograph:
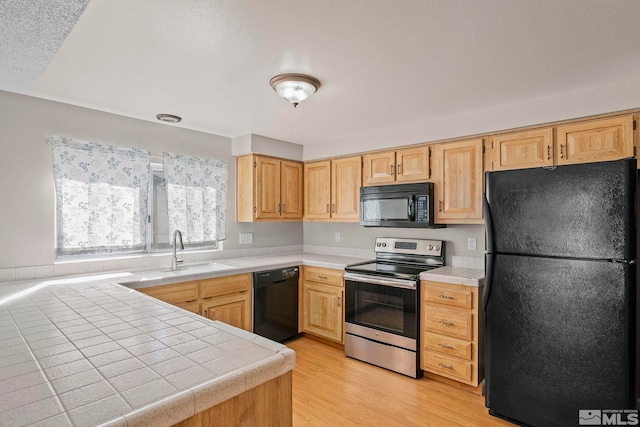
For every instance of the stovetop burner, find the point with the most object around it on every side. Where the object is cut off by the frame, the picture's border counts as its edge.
(402, 258)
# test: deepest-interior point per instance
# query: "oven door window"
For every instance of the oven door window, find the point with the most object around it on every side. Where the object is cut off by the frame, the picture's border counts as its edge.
(385, 308)
(386, 210)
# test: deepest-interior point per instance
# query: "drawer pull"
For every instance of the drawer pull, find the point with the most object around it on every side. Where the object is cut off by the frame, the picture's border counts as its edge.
(192, 300)
(448, 347)
(444, 322)
(445, 297)
(442, 365)
(323, 277)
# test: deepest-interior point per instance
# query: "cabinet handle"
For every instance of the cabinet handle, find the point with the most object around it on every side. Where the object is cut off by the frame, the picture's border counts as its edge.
(445, 297)
(333, 208)
(444, 322)
(399, 169)
(548, 152)
(191, 300)
(448, 347)
(323, 277)
(205, 313)
(284, 208)
(339, 298)
(207, 298)
(327, 208)
(391, 172)
(561, 150)
(439, 205)
(442, 365)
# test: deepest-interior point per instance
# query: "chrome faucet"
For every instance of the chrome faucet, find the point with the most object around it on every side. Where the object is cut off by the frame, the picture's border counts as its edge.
(175, 261)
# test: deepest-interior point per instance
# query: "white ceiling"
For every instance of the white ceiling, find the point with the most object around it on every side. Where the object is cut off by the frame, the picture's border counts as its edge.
(383, 64)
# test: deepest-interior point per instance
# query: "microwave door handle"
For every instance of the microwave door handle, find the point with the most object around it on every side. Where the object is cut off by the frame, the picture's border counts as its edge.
(410, 209)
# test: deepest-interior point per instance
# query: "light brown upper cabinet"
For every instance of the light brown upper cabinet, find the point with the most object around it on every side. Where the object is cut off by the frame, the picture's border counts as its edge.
(583, 142)
(595, 141)
(269, 189)
(457, 176)
(518, 150)
(388, 167)
(332, 190)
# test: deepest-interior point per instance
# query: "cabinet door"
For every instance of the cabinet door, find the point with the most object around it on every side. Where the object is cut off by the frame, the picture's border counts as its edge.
(458, 182)
(323, 310)
(412, 164)
(291, 190)
(379, 168)
(595, 141)
(522, 150)
(346, 179)
(317, 190)
(267, 188)
(234, 310)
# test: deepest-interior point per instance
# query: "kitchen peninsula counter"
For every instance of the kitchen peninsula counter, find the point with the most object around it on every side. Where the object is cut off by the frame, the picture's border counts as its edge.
(84, 351)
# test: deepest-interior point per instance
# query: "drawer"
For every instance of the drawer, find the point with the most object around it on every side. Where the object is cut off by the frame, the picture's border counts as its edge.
(193, 306)
(324, 275)
(448, 366)
(447, 345)
(454, 323)
(210, 288)
(174, 294)
(455, 296)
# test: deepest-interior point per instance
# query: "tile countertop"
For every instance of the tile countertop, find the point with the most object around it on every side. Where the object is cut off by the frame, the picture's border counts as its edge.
(455, 276)
(85, 351)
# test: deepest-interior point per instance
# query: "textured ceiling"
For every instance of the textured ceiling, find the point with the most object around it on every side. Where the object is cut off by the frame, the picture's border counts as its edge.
(383, 64)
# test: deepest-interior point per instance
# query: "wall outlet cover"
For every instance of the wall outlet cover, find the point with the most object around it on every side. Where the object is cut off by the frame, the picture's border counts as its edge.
(471, 243)
(338, 237)
(246, 238)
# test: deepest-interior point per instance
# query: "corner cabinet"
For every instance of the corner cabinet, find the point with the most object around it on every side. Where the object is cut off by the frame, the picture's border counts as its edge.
(452, 342)
(389, 167)
(458, 182)
(332, 190)
(269, 189)
(323, 303)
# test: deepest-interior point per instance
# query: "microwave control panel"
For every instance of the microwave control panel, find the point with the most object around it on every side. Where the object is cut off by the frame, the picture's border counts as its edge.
(422, 209)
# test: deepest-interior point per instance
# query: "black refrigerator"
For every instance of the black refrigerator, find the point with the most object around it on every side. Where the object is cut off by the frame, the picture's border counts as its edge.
(560, 292)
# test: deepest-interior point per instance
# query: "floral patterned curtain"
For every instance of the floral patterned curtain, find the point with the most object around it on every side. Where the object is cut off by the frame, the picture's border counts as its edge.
(101, 197)
(196, 197)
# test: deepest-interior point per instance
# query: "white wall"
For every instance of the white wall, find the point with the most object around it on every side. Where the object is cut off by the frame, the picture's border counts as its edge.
(26, 175)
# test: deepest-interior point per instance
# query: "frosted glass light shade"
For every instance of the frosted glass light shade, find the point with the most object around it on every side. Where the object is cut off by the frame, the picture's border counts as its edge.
(295, 88)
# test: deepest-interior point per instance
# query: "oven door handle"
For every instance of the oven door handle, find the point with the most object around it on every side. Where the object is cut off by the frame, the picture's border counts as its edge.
(397, 283)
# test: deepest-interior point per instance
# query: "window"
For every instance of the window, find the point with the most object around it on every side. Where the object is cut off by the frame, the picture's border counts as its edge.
(114, 200)
(101, 197)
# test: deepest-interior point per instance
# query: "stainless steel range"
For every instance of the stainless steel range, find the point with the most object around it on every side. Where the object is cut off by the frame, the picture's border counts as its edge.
(382, 303)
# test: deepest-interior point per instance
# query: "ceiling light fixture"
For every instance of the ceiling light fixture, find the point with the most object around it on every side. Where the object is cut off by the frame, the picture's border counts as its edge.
(295, 88)
(169, 118)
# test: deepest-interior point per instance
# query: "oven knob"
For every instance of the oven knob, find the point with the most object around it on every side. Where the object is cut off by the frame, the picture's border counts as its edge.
(384, 245)
(430, 247)
(437, 248)
(378, 244)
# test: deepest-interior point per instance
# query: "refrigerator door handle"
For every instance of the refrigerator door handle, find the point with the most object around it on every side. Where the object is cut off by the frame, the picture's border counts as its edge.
(488, 260)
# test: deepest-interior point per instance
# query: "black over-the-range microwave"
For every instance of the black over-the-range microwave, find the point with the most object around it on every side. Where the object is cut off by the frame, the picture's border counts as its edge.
(399, 205)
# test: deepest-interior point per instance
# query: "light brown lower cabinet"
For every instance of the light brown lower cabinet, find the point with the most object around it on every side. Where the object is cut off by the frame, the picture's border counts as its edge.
(227, 299)
(233, 309)
(452, 332)
(323, 303)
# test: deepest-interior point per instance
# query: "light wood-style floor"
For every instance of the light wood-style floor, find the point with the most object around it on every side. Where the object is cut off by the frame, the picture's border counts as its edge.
(332, 390)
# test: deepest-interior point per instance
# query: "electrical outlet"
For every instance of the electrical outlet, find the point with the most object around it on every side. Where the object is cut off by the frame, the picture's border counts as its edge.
(338, 236)
(471, 243)
(246, 238)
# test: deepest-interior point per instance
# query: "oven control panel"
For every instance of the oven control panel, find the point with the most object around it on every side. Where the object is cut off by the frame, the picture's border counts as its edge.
(409, 246)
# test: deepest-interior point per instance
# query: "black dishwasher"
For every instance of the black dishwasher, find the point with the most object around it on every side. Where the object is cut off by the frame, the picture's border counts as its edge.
(275, 303)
